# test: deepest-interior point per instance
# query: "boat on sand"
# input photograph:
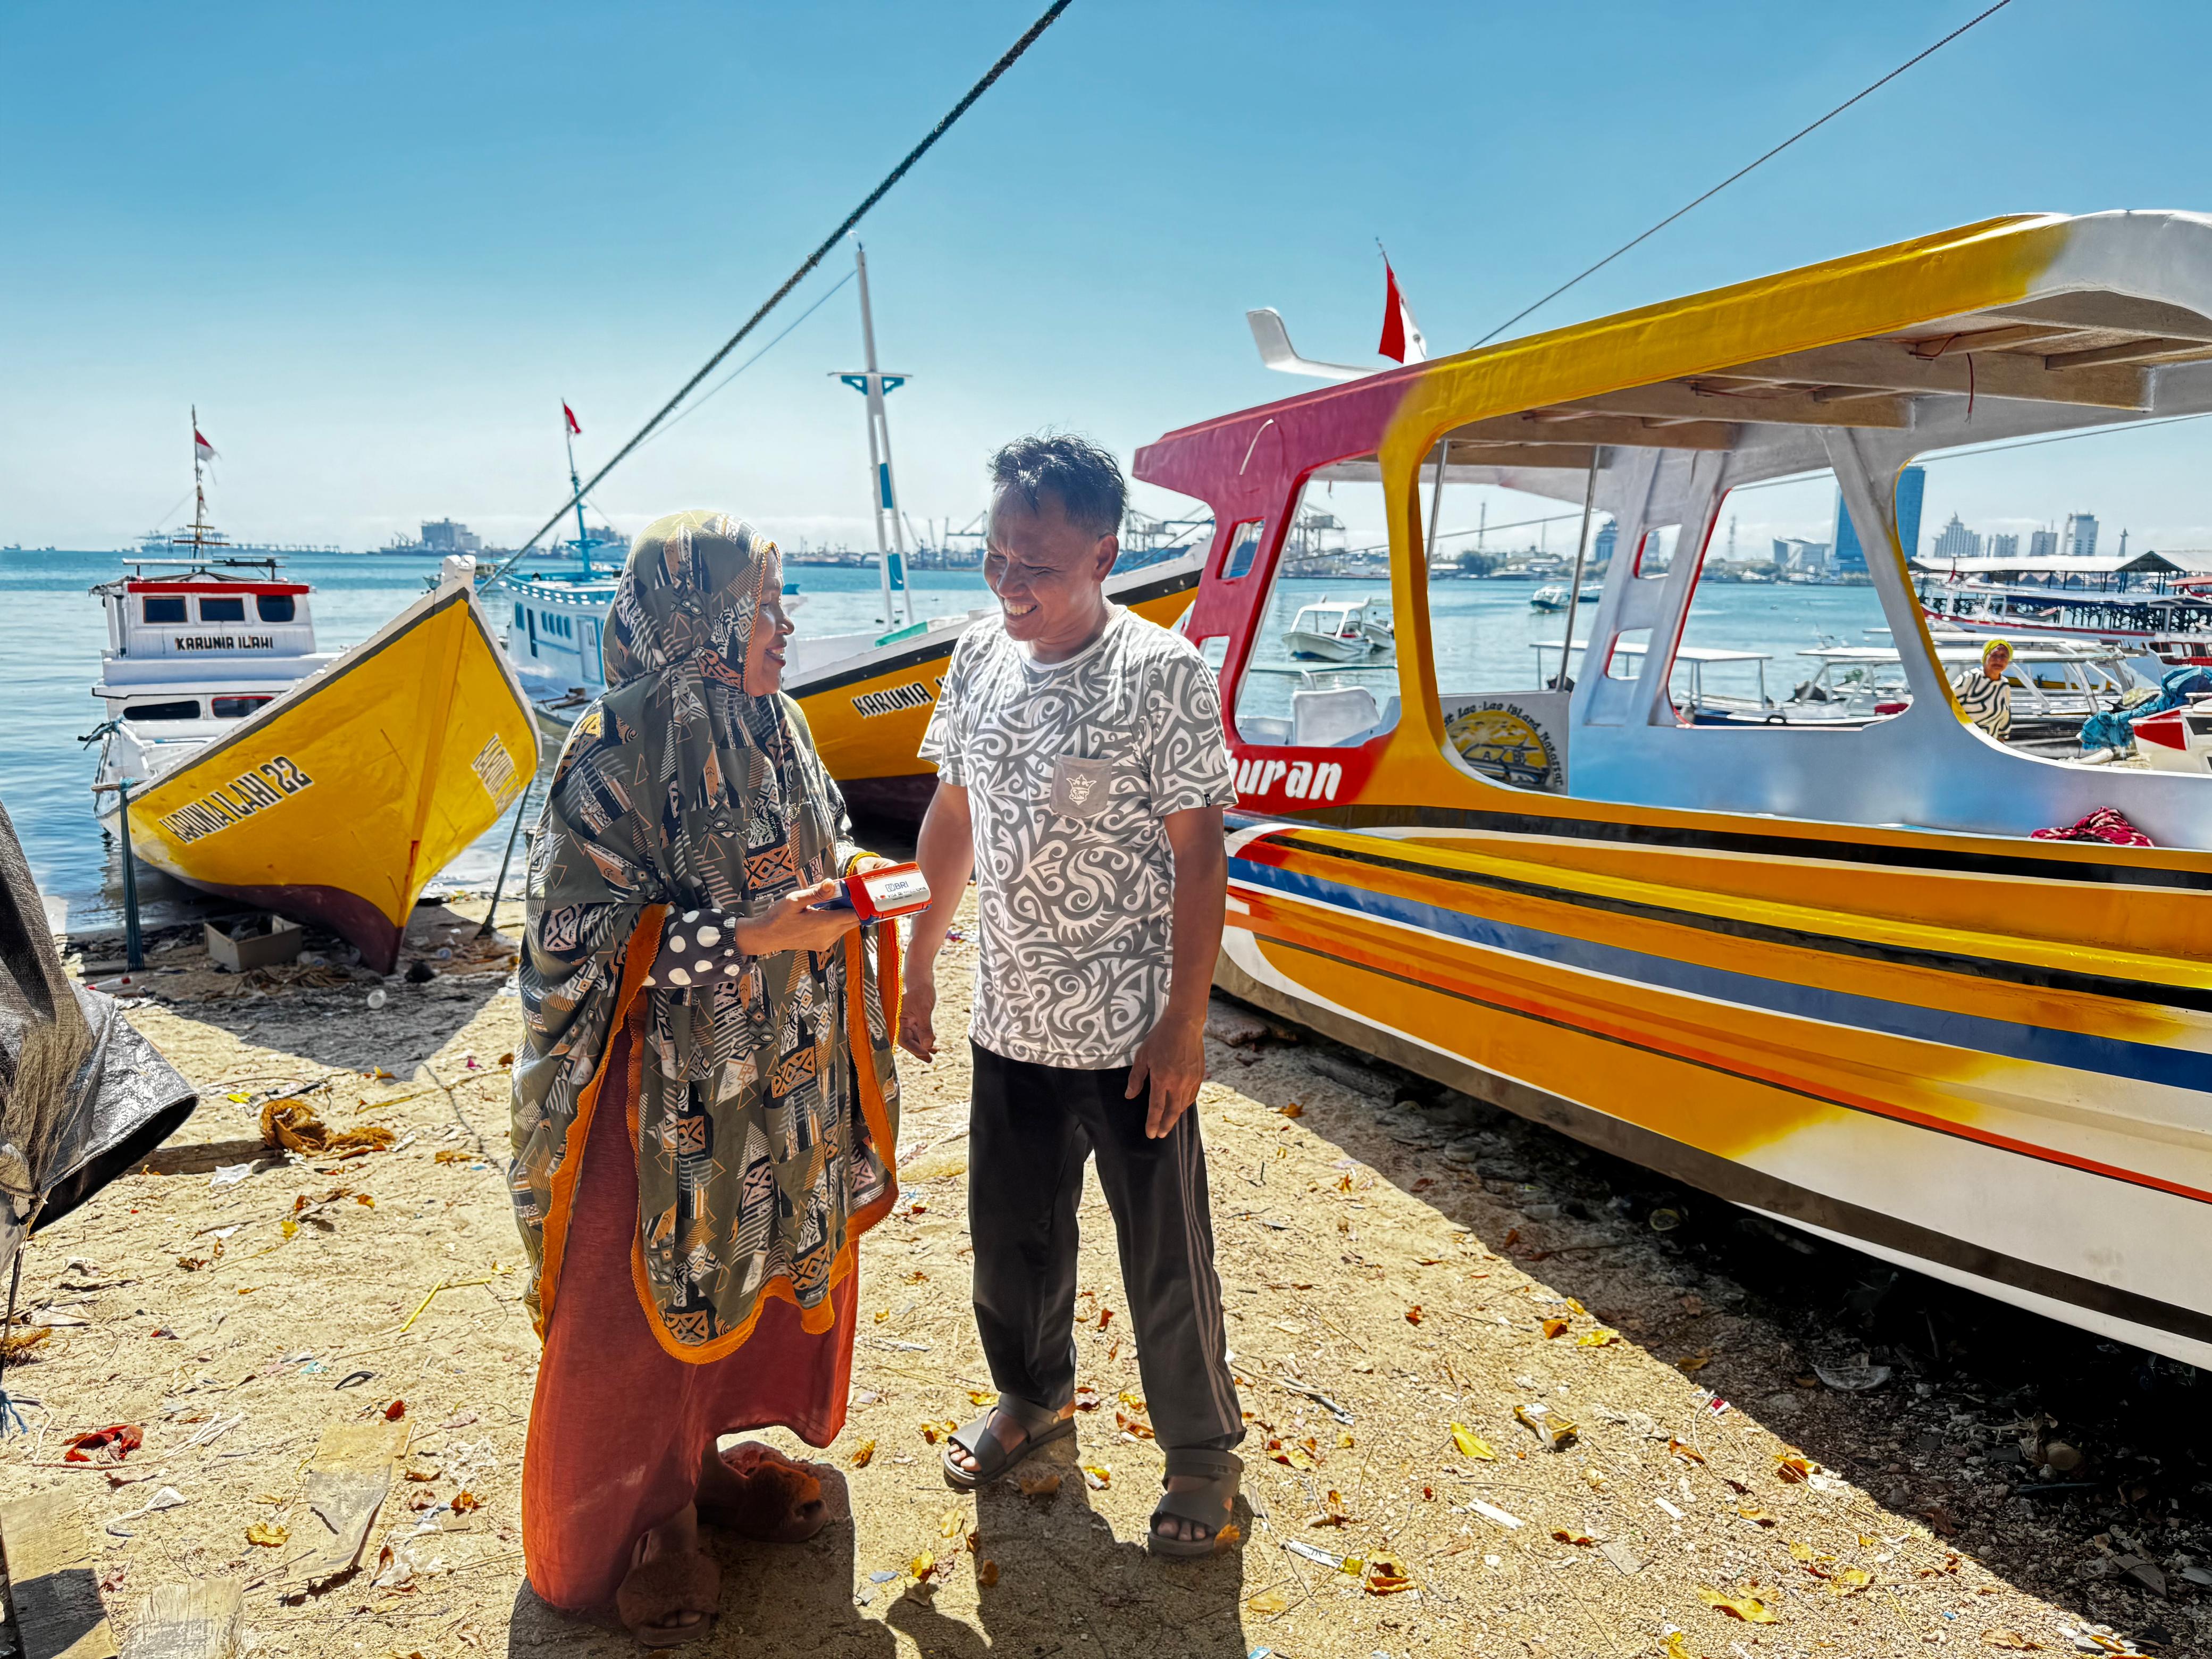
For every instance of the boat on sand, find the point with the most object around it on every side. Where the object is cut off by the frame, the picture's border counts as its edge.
(1826, 973)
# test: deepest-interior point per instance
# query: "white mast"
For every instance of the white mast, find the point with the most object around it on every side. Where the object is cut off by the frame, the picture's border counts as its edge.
(891, 543)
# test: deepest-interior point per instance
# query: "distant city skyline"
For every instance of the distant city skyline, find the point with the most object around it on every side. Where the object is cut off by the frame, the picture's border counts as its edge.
(380, 250)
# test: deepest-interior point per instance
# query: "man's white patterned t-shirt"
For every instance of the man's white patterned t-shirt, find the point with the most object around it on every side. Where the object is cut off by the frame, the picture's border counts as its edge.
(1069, 769)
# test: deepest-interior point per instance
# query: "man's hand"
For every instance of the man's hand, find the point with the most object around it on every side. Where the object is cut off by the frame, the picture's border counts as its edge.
(917, 1031)
(1171, 1063)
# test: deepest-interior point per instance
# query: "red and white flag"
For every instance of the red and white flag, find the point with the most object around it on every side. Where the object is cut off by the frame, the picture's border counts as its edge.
(571, 414)
(201, 447)
(1402, 335)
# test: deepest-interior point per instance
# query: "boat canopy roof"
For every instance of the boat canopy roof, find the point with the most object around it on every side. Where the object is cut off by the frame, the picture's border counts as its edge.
(2024, 324)
(2151, 564)
(2045, 651)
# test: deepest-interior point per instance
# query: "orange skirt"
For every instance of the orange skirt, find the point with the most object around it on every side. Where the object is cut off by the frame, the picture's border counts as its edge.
(619, 1428)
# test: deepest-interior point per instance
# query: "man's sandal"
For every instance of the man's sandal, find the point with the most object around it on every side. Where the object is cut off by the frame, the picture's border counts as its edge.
(1207, 1506)
(1040, 1426)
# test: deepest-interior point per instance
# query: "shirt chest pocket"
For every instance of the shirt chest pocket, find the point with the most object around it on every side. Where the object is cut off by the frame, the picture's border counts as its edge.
(1099, 769)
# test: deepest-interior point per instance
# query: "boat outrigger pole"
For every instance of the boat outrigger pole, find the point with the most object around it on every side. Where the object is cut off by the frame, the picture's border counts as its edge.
(891, 546)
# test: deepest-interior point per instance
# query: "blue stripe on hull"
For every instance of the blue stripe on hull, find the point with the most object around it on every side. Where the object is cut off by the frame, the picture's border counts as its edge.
(2109, 1056)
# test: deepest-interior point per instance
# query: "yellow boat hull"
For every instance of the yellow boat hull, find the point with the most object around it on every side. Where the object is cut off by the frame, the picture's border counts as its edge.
(868, 717)
(336, 803)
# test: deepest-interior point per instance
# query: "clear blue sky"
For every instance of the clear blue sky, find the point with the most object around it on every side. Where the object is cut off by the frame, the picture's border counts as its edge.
(378, 247)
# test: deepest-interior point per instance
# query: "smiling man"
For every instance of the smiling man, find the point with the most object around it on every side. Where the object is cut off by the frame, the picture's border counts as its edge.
(1082, 769)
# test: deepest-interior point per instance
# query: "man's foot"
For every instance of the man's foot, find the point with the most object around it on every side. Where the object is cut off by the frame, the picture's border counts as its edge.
(1008, 1431)
(670, 1594)
(1176, 1525)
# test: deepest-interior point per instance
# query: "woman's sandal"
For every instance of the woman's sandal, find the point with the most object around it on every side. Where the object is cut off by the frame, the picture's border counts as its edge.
(1207, 1506)
(756, 1492)
(1040, 1426)
(656, 1590)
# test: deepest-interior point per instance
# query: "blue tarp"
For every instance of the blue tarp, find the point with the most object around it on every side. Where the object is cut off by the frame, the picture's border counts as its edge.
(2116, 729)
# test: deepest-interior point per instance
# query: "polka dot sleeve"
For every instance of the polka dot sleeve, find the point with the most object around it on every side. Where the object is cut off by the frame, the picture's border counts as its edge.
(696, 948)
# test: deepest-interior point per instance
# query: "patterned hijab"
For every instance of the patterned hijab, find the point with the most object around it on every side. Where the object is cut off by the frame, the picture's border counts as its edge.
(763, 1106)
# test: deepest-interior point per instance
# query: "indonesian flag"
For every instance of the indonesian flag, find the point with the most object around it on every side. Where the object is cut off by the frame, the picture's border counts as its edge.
(201, 447)
(571, 415)
(1402, 335)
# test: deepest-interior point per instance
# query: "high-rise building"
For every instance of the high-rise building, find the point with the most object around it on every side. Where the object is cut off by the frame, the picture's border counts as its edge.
(1602, 544)
(2080, 541)
(1850, 558)
(2001, 547)
(1955, 541)
(2042, 544)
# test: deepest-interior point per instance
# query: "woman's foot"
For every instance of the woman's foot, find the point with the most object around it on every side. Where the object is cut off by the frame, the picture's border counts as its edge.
(1006, 1430)
(670, 1595)
(758, 1492)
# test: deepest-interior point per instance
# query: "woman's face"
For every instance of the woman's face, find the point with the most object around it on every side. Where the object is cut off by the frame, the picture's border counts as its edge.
(764, 656)
(1995, 664)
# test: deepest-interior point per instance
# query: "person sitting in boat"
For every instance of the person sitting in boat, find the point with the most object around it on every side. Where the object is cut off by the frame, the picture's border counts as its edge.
(1984, 697)
(705, 1105)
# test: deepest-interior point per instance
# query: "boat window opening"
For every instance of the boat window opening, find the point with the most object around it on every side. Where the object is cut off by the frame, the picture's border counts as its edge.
(187, 708)
(1625, 661)
(231, 709)
(1214, 650)
(2096, 544)
(519, 618)
(1655, 554)
(224, 610)
(164, 608)
(1784, 626)
(275, 607)
(1244, 541)
(1322, 667)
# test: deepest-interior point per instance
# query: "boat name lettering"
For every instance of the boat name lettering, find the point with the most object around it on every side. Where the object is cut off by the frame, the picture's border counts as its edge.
(225, 642)
(234, 802)
(893, 698)
(1301, 780)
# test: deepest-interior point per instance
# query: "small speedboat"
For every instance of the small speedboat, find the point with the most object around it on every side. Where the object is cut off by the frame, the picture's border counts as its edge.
(1333, 630)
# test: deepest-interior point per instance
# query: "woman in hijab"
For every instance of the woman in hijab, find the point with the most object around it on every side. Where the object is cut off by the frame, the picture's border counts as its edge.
(705, 1107)
(1984, 697)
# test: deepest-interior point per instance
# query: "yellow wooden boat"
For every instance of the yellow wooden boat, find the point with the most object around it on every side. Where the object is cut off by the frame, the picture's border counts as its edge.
(336, 800)
(1827, 974)
(866, 697)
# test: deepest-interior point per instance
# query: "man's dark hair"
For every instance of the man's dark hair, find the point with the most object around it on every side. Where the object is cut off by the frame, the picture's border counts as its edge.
(1085, 480)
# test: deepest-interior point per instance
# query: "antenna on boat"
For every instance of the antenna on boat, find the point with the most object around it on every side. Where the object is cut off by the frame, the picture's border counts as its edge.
(568, 431)
(872, 383)
(204, 534)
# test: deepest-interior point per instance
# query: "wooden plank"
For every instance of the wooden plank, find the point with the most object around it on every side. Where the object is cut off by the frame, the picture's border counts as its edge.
(2128, 351)
(189, 1621)
(54, 1572)
(2122, 313)
(1573, 425)
(347, 1482)
(1676, 399)
(1880, 365)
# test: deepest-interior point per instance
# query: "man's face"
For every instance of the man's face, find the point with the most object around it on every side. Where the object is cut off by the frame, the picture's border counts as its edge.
(1048, 574)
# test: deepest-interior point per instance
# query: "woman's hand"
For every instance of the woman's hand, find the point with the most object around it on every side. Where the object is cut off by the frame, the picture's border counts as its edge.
(917, 1031)
(789, 924)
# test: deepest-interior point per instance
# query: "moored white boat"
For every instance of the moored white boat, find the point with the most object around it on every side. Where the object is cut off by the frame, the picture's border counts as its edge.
(1331, 630)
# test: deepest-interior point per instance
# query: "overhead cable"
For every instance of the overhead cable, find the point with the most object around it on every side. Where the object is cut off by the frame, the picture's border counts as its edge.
(1800, 133)
(883, 188)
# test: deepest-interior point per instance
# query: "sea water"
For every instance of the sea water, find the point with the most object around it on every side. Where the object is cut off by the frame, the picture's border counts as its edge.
(1484, 631)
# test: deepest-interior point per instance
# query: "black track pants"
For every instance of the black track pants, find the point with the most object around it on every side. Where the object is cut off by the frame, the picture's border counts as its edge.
(1030, 1128)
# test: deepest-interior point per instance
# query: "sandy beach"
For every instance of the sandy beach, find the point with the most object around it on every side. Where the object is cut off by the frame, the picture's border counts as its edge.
(1426, 1296)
